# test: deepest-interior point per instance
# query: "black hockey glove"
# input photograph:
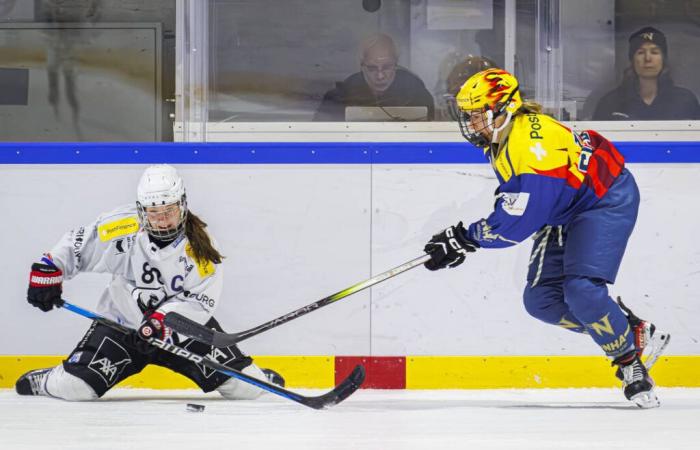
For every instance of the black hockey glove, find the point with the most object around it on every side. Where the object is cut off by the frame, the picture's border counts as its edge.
(149, 298)
(45, 286)
(449, 248)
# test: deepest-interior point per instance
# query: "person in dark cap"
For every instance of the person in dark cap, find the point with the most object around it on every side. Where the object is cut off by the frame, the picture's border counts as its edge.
(647, 91)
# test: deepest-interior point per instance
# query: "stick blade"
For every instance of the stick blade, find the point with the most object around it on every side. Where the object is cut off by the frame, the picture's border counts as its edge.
(189, 327)
(342, 391)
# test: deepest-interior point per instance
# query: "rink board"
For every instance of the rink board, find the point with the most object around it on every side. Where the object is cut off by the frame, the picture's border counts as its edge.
(412, 372)
(309, 219)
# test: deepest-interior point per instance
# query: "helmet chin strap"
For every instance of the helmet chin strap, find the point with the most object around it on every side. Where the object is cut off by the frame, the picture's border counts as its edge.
(496, 131)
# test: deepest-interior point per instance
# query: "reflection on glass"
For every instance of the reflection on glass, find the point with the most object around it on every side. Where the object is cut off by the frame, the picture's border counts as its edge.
(91, 82)
(61, 66)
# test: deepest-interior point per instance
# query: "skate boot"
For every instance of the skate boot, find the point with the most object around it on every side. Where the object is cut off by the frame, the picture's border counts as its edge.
(637, 385)
(273, 377)
(33, 382)
(649, 342)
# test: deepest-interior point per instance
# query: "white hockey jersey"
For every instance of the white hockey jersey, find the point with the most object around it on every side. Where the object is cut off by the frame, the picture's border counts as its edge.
(115, 244)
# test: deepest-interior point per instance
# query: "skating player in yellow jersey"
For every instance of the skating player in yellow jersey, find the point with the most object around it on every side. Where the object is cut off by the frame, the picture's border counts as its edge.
(573, 192)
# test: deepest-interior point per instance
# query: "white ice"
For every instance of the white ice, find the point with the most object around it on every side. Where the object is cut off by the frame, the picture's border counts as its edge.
(370, 419)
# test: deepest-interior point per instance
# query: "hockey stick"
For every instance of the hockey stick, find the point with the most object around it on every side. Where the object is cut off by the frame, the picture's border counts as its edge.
(197, 331)
(332, 397)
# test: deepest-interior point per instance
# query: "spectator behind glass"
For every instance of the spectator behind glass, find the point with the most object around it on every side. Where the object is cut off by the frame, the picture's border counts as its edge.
(381, 82)
(460, 72)
(647, 91)
(464, 70)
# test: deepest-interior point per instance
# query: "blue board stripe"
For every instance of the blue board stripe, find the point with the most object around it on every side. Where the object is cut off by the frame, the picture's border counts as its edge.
(299, 153)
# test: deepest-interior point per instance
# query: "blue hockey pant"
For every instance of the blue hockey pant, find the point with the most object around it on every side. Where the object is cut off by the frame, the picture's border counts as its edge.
(571, 265)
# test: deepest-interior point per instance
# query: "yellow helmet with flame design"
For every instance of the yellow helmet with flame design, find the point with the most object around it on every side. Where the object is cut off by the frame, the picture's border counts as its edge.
(493, 92)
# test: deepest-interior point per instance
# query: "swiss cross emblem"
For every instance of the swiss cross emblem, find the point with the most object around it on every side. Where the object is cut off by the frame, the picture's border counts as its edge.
(538, 151)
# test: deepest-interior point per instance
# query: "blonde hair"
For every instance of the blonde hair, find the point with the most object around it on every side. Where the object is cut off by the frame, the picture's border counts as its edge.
(530, 107)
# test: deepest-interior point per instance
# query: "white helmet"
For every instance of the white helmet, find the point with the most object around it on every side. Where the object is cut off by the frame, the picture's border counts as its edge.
(160, 185)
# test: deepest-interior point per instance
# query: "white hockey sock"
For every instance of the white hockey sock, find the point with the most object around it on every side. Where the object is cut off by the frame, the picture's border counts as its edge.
(60, 384)
(234, 389)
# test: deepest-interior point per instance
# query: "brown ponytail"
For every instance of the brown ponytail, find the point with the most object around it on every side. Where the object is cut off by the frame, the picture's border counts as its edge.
(202, 248)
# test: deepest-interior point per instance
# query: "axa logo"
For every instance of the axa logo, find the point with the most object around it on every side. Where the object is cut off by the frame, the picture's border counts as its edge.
(109, 361)
(108, 368)
(220, 355)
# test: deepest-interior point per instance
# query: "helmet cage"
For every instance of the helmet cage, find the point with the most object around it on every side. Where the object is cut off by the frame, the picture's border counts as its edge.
(167, 234)
(463, 118)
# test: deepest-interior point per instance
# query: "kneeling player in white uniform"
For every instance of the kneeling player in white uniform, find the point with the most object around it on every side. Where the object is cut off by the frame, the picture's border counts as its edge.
(162, 260)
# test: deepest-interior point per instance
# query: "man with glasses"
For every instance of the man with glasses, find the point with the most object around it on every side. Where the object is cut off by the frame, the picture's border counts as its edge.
(381, 82)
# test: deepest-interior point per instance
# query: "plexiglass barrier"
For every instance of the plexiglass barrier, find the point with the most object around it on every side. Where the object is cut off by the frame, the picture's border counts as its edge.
(128, 71)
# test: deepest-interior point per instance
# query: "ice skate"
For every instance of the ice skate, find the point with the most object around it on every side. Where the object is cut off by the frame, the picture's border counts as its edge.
(33, 382)
(649, 342)
(637, 385)
(273, 377)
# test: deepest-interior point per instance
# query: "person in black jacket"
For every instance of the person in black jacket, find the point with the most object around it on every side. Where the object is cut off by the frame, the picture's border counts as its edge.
(647, 91)
(381, 82)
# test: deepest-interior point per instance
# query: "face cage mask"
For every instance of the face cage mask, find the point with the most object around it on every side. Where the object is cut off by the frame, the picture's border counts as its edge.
(463, 119)
(168, 234)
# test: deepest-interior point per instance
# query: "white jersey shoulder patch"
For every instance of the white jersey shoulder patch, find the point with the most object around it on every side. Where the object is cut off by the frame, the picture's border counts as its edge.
(514, 203)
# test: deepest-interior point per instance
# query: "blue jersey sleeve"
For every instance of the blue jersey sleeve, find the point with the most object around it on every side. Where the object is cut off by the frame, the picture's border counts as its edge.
(523, 205)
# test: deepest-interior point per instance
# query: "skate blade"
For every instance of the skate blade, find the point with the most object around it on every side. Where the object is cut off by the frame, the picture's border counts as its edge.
(657, 345)
(646, 400)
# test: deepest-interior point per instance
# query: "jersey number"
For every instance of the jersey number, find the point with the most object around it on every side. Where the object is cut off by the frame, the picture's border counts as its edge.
(584, 159)
(150, 274)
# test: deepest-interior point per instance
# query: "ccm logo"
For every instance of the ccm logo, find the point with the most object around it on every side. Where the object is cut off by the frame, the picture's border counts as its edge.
(450, 232)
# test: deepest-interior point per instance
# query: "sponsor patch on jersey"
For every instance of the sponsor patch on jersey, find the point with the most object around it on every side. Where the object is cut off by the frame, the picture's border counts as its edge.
(205, 268)
(118, 228)
(78, 240)
(514, 204)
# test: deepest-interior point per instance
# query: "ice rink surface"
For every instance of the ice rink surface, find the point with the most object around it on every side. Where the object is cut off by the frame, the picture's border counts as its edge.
(370, 419)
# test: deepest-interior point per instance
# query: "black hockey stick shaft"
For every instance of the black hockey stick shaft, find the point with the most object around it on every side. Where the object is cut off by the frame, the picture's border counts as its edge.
(199, 332)
(332, 397)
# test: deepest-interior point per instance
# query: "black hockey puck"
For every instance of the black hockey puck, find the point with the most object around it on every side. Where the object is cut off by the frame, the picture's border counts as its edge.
(193, 407)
